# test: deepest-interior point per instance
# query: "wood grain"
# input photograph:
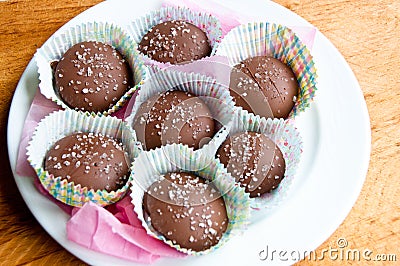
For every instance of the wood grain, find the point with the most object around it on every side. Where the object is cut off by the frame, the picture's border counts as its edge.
(367, 33)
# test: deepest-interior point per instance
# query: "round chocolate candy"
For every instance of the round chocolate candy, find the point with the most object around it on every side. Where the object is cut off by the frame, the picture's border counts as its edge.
(92, 76)
(91, 160)
(174, 117)
(254, 160)
(264, 86)
(175, 42)
(187, 210)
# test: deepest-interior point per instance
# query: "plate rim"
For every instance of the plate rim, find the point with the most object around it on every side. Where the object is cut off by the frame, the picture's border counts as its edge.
(73, 250)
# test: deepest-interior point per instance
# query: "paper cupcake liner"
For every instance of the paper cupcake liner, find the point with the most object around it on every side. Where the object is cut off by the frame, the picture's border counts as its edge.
(280, 42)
(289, 141)
(148, 166)
(62, 123)
(206, 22)
(215, 95)
(107, 33)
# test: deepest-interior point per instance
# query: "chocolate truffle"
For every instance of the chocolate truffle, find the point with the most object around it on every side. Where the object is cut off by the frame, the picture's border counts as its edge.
(92, 76)
(92, 160)
(254, 160)
(187, 210)
(259, 80)
(175, 42)
(174, 117)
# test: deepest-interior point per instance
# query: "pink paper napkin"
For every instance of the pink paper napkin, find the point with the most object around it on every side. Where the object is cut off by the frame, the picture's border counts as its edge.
(123, 211)
(306, 35)
(230, 19)
(40, 107)
(96, 228)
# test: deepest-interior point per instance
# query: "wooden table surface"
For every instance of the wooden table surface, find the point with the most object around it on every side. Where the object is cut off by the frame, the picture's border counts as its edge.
(367, 33)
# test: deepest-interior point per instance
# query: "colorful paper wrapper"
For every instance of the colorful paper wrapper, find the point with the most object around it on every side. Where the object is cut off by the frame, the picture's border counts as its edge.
(209, 24)
(62, 123)
(148, 167)
(107, 33)
(280, 42)
(214, 94)
(289, 141)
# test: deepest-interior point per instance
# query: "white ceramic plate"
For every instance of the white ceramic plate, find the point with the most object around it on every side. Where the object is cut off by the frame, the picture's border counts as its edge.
(333, 167)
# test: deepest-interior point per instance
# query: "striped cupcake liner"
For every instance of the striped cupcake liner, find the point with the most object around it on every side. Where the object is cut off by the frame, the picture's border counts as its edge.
(148, 167)
(289, 141)
(111, 34)
(280, 42)
(62, 123)
(206, 22)
(215, 95)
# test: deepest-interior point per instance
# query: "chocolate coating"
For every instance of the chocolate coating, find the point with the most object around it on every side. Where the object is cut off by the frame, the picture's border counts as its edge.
(175, 42)
(91, 160)
(254, 160)
(92, 76)
(259, 80)
(187, 210)
(174, 117)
